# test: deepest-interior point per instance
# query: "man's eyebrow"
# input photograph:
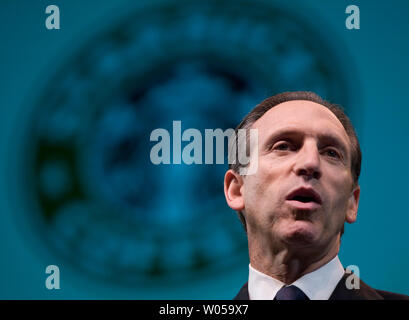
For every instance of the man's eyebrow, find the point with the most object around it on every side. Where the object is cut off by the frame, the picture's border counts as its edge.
(285, 133)
(334, 140)
(324, 138)
(282, 133)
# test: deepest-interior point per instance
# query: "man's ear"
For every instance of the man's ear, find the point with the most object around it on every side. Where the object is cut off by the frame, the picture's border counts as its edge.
(233, 183)
(353, 203)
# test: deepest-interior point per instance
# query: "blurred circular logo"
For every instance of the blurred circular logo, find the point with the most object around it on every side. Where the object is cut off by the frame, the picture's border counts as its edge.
(106, 208)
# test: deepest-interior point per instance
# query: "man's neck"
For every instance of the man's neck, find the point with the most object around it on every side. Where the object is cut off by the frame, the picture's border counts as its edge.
(288, 265)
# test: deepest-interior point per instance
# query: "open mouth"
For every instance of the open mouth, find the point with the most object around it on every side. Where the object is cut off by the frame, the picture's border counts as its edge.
(304, 198)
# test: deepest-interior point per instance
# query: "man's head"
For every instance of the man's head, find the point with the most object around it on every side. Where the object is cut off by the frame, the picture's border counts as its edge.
(306, 185)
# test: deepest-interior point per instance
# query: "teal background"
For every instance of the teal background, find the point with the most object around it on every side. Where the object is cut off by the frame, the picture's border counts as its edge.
(378, 243)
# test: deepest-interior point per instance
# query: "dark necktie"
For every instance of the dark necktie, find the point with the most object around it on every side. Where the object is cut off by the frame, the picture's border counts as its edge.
(290, 293)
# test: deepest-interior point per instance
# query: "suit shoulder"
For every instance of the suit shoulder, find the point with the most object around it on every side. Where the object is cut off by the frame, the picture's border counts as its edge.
(391, 295)
(368, 293)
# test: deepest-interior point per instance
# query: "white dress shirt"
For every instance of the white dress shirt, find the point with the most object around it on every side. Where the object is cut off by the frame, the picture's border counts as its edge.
(317, 285)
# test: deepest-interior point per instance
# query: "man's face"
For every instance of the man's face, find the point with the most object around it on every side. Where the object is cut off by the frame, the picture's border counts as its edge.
(302, 191)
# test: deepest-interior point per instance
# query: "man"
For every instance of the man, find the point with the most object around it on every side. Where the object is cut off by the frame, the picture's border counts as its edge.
(295, 205)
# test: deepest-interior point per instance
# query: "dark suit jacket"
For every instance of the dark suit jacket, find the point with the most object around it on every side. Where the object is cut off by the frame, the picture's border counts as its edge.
(341, 292)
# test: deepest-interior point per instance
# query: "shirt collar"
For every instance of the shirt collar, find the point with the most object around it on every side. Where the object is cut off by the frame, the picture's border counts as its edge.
(317, 285)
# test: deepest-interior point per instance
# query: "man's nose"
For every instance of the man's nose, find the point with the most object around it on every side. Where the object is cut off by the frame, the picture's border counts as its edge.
(308, 162)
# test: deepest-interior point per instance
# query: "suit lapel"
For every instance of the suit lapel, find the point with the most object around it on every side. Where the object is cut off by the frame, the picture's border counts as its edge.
(365, 292)
(243, 293)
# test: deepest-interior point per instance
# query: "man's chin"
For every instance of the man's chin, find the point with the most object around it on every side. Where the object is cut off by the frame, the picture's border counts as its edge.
(300, 233)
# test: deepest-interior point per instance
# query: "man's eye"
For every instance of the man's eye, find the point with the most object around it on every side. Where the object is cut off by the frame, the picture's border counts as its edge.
(282, 146)
(332, 153)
